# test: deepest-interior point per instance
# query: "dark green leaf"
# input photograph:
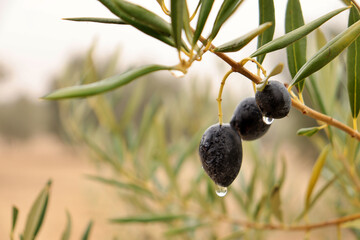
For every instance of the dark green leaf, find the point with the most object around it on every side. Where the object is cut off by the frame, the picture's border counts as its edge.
(266, 14)
(185, 229)
(296, 52)
(104, 85)
(67, 231)
(148, 218)
(227, 8)
(186, 24)
(353, 68)
(37, 214)
(308, 132)
(87, 231)
(239, 43)
(296, 34)
(177, 14)
(205, 9)
(15, 213)
(328, 52)
(97, 20)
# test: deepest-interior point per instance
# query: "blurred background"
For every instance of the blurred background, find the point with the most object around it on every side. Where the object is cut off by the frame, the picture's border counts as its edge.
(69, 141)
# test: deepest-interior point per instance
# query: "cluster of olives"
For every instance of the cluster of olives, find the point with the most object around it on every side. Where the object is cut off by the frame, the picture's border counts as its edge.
(220, 147)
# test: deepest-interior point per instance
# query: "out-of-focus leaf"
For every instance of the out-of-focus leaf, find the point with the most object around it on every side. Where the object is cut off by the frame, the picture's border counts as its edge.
(266, 14)
(144, 16)
(97, 20)
(275, 203)
(308, 132)
(296, 34)
(185, 229)
(259, 207)
(328, 52)
(144, 27)
(121, 185)
(353, 68)
(239, 43)
(15, 213)
(87, 231)
(104, 85)
(352, 224)
(315, 174)
(227, 8)
(177, 13)
(37, 213)
(296, 52)
(205, 9)
(148, 218)
(67, 231)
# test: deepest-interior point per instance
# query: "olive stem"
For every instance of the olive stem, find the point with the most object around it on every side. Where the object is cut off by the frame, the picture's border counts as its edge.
(220, 94)
(356, 5)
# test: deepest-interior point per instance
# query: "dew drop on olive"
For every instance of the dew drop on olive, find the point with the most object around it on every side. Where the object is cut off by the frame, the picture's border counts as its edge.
(220, 152)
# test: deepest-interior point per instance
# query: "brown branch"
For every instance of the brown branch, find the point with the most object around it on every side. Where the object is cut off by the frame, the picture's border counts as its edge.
(306, 227)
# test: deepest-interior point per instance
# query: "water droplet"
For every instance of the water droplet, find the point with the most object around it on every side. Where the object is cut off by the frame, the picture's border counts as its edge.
(268, 120)
(177, 73)
(221, 191)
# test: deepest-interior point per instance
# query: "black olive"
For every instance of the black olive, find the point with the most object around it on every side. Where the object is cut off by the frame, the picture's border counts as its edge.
(248, 120)
(274, 100)
(220, 152)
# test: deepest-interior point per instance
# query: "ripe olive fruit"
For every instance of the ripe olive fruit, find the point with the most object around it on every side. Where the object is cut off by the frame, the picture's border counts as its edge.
(220, 152)
(248, 120)
(274, 100)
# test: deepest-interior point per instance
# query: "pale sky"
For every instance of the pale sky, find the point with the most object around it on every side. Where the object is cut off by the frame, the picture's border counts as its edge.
(35, 43)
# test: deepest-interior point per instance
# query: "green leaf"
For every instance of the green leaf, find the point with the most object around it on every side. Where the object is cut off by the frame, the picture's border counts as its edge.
(144, 16)
(275, 203)
(186, 24)
(97, 20)
(239, 43)
(296, 34)
(87, 231)
(266, 14)
(205, 9)
(227, 8)
(308, 132)
(353, 68)
(118, 184)
(37, 214)
(185, 229)
(104, 85)
(67, 231)
(352, 224)
(328, 52)
(177, 13)
(15, 213)
(320, 162)
(296, 52)
(148, 218)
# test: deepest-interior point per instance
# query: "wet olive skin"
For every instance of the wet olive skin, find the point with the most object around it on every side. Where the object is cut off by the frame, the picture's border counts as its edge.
(220, 152)
(248, 121)
(274, 101)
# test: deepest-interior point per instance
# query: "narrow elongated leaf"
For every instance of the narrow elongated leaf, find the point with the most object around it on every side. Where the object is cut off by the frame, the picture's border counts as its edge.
(177, 13)
(320, 162)
(143, 27)
(328, 52)
(15, 213)
(205, 9)
(186, 24)
(97, 20)
(67, 231)
(148, 218)
(296, 52)
(227, 8)
(296, 34)
(87, 231)
(182, 230)
(353, 68)
(266, 14)
(275, 203)
(144, 16)
(308, 132)
(239, 43)
(37, 214)
(104, 85)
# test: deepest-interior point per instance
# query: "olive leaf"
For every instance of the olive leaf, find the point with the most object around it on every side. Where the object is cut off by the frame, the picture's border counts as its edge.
(296, 52)
(67, 231)
(97, 20)
(15, 213)
(296, 34)
(205, 9)
(308, 132)
(177, 14)
(266, 14)
(239, 43)
(353, 68)
(328, 52)
(104, 85)
(148, 218)
(87, 231)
